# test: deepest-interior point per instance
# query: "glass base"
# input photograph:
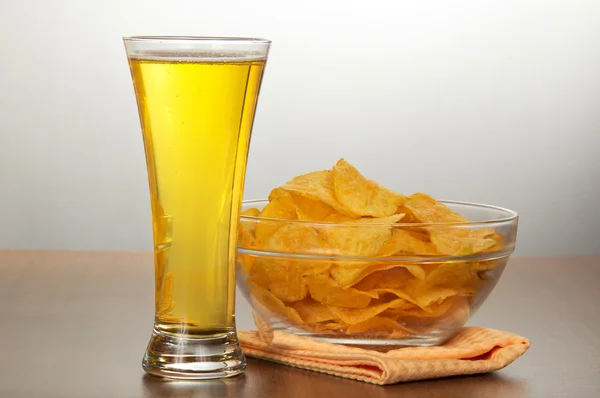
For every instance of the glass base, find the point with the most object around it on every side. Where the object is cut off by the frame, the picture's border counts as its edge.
(177, 357)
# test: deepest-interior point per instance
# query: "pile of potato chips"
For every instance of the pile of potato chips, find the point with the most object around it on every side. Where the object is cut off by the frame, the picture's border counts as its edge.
(345, 256)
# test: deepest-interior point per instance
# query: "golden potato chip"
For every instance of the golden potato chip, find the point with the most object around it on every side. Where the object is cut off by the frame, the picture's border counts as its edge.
(246, 230)
(370, 281)
(361, 238)
(482, 233)
(311, 210)
(339, 218)
(378, 326)
(416, 270)
(251, 212)
(434, 310)
(500, 243)
(284, 276)
(425, 298)
(398, 292)
(245, 235)
(348, 273)
(425, 209)
(362, 196)
(313, 312)
(353, 316)
(245, 262)
(445, 280)
(401, 275)
(335, 326)
(246, 239)
(266, 301)
(318, 186)
(448, 243)
(452, 312)
(403, 242)
(284, 281)
(325, 290)
(487, 265)
(280, 206)
(295, 239)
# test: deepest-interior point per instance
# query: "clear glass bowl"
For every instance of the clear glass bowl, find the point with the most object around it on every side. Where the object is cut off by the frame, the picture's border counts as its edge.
(413, 296)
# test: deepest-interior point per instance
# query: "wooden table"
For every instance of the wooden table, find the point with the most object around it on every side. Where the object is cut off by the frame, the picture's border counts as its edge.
(75, 324)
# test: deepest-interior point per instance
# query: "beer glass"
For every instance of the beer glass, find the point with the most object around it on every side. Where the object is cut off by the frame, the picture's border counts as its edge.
(196, 99)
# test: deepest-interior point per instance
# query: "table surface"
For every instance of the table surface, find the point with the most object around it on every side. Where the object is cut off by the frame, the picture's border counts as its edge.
(76, 324)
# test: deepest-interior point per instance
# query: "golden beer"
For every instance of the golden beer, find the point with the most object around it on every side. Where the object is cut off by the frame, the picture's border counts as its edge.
(196, 109)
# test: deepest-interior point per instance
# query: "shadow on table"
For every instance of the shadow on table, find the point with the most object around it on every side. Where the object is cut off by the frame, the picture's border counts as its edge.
(158, 388)
(266, 379)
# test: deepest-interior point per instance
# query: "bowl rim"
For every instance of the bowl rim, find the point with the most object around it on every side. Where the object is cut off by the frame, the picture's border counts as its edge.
(410, 260)
(512, 216)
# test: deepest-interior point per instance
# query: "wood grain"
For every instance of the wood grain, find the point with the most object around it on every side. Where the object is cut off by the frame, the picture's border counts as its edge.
(75, 324)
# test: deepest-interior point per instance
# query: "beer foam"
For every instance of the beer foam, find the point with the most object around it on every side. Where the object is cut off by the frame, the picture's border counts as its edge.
(185, 55)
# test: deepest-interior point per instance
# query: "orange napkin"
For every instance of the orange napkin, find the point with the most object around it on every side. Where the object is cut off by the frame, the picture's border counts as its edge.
(473, 350)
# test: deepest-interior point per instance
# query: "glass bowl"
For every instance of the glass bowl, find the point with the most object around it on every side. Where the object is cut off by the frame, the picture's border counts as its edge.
(409, 295)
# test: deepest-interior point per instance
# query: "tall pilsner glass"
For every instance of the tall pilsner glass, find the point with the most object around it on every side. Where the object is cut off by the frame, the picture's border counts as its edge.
(196, 98)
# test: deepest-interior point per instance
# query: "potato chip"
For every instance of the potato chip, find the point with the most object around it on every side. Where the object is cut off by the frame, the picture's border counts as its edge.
(313, 312)
(311, 210)
(335, 326)
(425, 209)
(450, 314)
(280, 206)
(284, 281)
(403, 242)
(362, 196)
(401, 275)
(434, 295)
(359, 238)
(295, 239)
(251, 212)
(348, 273)
(398, 292)
(339, 218)
(245, 262)
(318, 186)
(445, 280)
(370, 281)
(457, 276)
(487, 265)
(482, 233)
(448, 243)
(433, 310)
(246, 234)
(246, 239)
(500, 243)
(377, 326)
(353, 316)
(325, 290)
(284, 276)
(263, 299)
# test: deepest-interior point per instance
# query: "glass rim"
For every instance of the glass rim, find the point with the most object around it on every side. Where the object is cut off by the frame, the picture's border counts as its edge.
(511, 217)
(228, 39)
(408, 259)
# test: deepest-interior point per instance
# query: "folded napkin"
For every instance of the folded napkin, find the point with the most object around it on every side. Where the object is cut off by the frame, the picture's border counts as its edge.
(473, 350)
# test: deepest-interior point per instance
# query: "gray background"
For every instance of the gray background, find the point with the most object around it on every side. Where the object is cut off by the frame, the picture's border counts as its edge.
(486, 101)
